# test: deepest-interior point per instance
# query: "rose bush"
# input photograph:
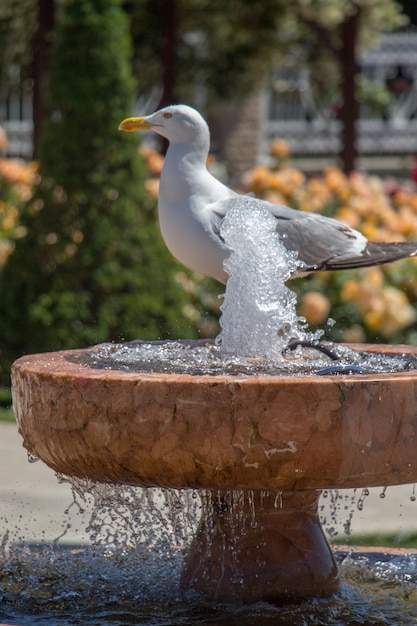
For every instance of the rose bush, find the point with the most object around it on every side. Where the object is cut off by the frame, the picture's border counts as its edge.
(17, 182)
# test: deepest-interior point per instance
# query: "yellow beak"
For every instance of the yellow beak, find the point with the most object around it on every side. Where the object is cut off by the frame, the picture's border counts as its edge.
(131, 124)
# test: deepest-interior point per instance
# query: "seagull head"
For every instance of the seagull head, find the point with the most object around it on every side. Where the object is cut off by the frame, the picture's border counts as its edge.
(178, 123)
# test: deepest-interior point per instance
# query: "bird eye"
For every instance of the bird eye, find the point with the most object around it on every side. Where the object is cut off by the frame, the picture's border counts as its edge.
(167, 115)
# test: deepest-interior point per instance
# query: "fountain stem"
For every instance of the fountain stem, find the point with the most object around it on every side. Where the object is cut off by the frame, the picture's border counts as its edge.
(253, 546)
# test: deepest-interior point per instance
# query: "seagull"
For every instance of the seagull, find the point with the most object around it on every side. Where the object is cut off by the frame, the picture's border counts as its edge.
(192, 205)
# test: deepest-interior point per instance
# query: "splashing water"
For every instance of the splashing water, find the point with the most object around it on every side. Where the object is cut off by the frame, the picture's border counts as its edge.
(258, 314)
(130, 574)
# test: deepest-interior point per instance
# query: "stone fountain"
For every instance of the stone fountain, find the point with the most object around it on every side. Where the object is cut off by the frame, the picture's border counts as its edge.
(280, 439)
(260, 446)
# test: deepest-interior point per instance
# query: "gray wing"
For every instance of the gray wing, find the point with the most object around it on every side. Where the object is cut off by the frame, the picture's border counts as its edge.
(321, 243)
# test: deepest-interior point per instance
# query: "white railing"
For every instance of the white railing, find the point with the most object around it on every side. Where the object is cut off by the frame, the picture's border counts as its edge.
(293, 113)
(375, 136)
(16, 115)
(19, 135)
(311, 126)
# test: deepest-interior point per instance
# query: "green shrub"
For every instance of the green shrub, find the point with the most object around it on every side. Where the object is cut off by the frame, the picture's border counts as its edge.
(92, 266)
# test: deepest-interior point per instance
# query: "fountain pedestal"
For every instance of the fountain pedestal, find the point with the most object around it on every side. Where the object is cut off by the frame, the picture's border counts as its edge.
(256, 545)
(256, 435)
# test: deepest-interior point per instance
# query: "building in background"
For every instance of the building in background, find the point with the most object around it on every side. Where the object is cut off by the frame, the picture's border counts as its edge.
(287, 109)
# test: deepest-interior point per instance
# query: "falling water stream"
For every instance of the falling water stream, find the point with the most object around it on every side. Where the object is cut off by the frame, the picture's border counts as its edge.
(129, 573)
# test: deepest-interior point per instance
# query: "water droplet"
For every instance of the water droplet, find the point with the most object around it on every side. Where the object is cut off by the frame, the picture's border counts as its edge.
(61, 478)
(32, 458)
(364, 494)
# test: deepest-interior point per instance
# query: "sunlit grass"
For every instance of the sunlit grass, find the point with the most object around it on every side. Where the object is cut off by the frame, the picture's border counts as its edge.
(387, 540)
(6, 413)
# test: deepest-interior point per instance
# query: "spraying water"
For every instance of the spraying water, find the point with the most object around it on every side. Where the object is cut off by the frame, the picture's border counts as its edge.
(259, 317)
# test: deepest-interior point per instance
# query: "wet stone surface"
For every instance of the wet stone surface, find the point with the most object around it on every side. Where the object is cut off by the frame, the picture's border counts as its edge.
(205, 357)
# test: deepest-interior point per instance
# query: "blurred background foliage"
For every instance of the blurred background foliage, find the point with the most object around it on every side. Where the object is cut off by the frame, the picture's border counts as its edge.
(85, 262)
(81, 259)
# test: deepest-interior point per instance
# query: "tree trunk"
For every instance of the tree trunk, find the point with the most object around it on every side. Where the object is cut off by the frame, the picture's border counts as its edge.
(169, 51)
(40, 66)
(349, 79)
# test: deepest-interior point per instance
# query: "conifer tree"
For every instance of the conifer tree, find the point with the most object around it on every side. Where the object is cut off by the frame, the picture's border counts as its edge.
(92, 266)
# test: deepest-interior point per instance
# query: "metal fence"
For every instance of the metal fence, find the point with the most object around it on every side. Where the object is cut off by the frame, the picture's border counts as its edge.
(294, 113)
(16, 114)
(310, 123)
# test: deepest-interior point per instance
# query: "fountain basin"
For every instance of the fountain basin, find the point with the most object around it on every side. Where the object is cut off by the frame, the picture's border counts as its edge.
(218, 432)
(291, 434)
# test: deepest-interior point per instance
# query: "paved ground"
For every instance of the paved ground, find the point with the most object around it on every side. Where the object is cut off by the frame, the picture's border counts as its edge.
(33, 504)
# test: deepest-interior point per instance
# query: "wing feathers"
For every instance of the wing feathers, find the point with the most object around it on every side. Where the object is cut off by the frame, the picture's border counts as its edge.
(373, 254)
